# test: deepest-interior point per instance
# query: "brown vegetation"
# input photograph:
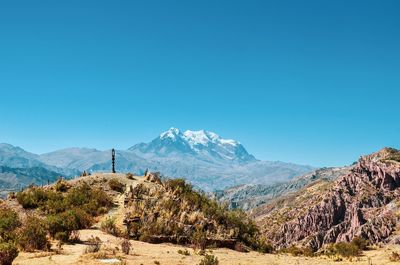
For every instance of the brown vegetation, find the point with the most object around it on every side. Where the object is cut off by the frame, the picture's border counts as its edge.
(174, 212)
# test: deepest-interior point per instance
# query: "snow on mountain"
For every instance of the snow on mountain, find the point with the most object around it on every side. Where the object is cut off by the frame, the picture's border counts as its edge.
(203, 144)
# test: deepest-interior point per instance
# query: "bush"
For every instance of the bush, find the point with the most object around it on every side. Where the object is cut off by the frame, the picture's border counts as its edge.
(361, 243)
(126, 246)
(168, 212)
(115, 185)
(199, 239)
(209, 260)
(394, 256)
(9, 221)
(108, 226)
(33, 197)
(297, 251)
(348, 250)
(8, 252)
(178, 186)
(66, 223)
(184, 252)
(62, 236)
(94, 245)
(129, 176)
(62, 186)
(32, 236)
(264, 247)
(89, 199)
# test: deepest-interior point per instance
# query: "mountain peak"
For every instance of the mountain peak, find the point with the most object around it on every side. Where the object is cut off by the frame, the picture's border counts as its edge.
(204, 144)
(172, 133)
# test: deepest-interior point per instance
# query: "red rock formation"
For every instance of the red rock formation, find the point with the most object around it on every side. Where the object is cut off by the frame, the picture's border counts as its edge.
(360, 203)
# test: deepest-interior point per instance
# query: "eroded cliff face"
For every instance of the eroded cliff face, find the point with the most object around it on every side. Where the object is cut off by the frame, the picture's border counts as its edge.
(361, 203)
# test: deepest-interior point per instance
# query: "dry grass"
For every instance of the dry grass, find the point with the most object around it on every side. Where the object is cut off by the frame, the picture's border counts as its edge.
(167, 254)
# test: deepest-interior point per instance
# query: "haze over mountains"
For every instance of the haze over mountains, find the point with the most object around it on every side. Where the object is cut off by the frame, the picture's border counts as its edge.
(204, 158)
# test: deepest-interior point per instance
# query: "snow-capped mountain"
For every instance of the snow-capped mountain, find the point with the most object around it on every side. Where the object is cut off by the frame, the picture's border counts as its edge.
(202, 144)
(207, 160)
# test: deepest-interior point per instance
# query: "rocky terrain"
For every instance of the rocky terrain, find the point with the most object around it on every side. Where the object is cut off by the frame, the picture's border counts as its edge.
(363, 202)
(249, 196)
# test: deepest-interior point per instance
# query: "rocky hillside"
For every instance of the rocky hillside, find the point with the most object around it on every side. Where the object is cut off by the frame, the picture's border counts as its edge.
(364, 202)
(13, 179)
(247, 197)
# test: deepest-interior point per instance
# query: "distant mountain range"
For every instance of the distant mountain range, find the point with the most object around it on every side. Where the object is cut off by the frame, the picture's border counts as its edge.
(205, 159)
(250, 196)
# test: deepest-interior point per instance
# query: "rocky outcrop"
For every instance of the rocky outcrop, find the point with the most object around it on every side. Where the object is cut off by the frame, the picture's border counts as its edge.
(361, 203)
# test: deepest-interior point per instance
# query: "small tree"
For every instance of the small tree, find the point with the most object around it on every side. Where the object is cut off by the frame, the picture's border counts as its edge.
(8, 252)
(33, 235)
(9, 221)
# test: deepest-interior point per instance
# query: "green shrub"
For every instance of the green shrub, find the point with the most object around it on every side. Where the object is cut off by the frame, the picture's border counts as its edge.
(178, 186)
(115, 185)
(9, 221)
(32, 197)
(108, 226)
(361, 243)
(91, 200)
(67, 222)
(62, 186)
(298, 251)
(264, 247)
(209, 260)
(32, 236)
(348, 250)
(199, 239)
(184, 252)
(8, 252)
(62, 236)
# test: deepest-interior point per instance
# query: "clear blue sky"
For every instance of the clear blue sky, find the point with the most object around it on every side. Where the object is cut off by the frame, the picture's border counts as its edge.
(312, 82)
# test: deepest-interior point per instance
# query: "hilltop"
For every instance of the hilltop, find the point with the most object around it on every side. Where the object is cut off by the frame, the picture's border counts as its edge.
(142, 208)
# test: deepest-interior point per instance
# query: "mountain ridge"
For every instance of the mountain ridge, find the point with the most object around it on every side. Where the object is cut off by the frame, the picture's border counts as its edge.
(204, 158)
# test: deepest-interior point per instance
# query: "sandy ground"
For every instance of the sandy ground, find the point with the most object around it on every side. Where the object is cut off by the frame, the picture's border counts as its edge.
(146, 254)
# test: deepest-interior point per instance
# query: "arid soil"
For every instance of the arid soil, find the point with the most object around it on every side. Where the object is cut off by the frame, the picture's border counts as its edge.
(145, 253)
